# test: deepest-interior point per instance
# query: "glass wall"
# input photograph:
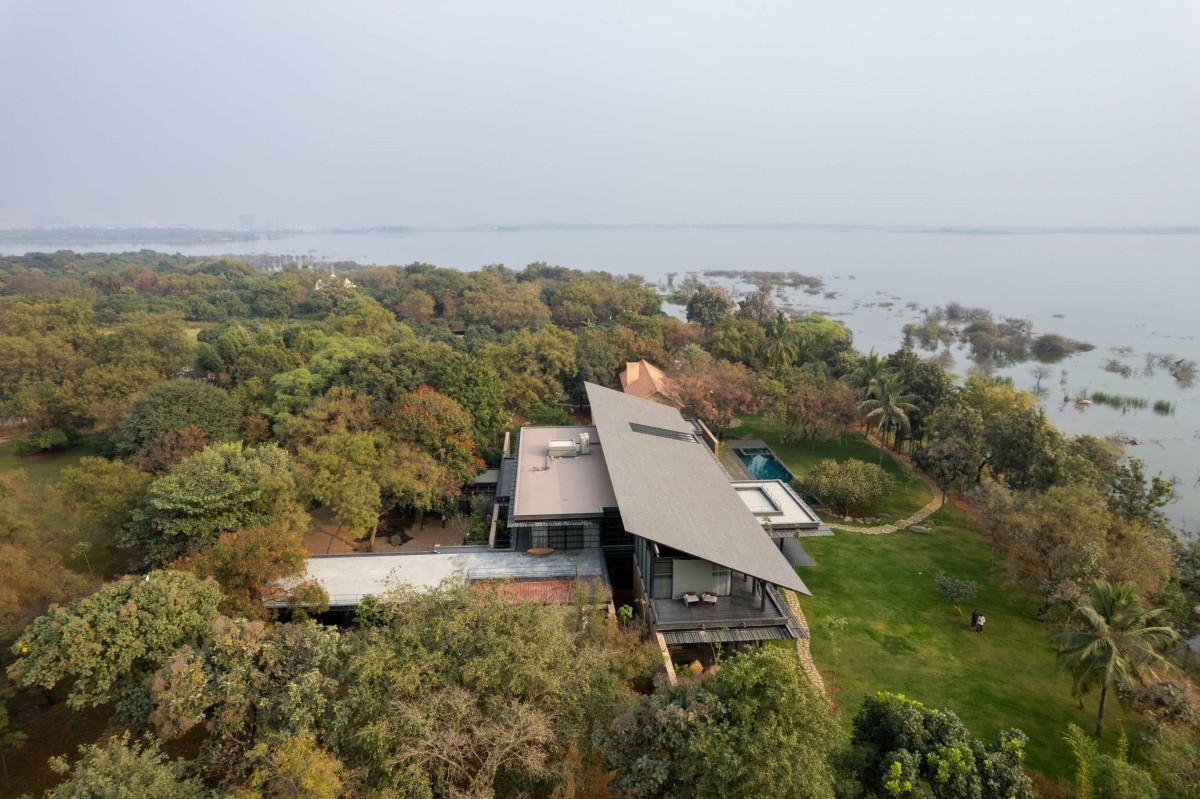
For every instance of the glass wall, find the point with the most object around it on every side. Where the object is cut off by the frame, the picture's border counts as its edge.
(573, 534)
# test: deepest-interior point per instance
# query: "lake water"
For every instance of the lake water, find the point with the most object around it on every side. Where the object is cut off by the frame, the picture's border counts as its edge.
(1114, 291)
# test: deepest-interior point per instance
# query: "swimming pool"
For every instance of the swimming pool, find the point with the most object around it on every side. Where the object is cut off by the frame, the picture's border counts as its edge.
(763, 464)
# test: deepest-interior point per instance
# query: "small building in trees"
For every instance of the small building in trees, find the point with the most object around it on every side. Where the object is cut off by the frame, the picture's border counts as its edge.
(644, 380)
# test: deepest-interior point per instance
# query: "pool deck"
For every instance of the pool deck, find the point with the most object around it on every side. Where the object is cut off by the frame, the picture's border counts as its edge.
(747, 443)
(739, 445)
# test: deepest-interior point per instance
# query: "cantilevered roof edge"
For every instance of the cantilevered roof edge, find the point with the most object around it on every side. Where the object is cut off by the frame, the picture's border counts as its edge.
(675, 493)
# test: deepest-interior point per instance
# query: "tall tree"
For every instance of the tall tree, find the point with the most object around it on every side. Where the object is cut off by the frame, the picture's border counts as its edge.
(758, 305)
(457, 692)
(249, 564)
(818, 409)
(901, 746)
(711, 389)
(781, 347)
(33, 534)
(124, 768)
(929, 383)
(869, 369)
(1110, 640)
(105, 643)
(709, 306)
(954, 452)
(174, 405)
(886, 408)
(363, 475)
(758, 727)
(249, 683)
(438, 425)
(218, 490)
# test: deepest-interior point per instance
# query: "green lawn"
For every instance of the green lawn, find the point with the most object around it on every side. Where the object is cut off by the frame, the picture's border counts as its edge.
(45, 468)
(908, 496)
(903, 637)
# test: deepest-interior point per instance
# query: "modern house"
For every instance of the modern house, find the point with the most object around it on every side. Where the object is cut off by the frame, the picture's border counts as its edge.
(641, 485)
(644, 380)
(637, 500)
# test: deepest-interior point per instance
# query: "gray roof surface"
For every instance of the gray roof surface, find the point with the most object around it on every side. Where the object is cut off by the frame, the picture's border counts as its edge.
(674, 492)
(560, 487)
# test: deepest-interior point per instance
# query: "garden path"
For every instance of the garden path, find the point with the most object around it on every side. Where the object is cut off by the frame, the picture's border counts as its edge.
(804, 645)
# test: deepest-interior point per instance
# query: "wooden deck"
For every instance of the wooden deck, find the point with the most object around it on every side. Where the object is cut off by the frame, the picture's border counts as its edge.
(739, 609)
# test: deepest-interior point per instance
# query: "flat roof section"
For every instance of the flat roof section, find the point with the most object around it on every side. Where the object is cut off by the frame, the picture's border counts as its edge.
(775, 500)
(567, 487)
(348, 578)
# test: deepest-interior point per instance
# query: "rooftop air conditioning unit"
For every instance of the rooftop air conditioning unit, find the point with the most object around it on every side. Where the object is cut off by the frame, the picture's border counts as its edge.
(562, 448)
(585, 441)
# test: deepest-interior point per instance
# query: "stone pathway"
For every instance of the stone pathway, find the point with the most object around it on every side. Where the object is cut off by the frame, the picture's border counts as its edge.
(884, 529)
(804, 645)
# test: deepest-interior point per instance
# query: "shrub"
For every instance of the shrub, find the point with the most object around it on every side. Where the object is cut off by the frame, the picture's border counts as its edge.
(1053, 347)
(52, 438)
(846, 486)
(549, 415)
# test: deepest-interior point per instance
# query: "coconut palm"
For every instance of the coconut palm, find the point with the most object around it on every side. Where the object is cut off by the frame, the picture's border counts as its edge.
(870, 368)
(1111, 640)
(781, 347)
(887, 407)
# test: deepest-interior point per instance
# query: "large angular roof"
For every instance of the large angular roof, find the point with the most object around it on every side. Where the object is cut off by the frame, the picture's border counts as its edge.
(671, 490)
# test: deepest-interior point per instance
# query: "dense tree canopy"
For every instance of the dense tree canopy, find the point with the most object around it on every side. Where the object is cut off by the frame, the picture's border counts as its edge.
(124, 769)
(904, 748)
(218, 490)
(390, 389)
(107, 641)
(756, 728)
(171, 407)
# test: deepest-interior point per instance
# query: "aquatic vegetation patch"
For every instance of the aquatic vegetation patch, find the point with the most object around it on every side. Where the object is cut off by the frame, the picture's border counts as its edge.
(991, 341)
(1119, 401)
(1164, 408)
(1183, 370)
(1116, 367)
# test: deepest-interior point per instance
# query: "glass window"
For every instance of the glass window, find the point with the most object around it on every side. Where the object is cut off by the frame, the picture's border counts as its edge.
(661, 579)
(721, 581)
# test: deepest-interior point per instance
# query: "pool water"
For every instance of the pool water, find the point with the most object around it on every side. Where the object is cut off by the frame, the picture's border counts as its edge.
(763, 464)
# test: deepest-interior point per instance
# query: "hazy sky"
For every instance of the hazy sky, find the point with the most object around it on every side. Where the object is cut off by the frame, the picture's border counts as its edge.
(448, 113)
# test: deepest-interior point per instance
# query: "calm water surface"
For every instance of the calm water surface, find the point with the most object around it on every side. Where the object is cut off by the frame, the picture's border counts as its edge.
(1114, 291)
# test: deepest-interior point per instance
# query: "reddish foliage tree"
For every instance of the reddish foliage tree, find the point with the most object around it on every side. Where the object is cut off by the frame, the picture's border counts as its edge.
(437, 424)
(170, 449)
(710, 389)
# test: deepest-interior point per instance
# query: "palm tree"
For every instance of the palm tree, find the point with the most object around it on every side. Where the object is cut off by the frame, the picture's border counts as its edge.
(1110, 641)
(870, 368)
(781, 347)
(887, 407)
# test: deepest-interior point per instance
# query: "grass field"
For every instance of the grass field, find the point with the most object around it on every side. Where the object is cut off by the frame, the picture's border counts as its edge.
(902, 637)
(44, 468)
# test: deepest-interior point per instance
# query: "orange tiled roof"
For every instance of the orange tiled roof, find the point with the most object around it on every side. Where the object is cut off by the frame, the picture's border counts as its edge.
(557, 592)
(642, 378)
